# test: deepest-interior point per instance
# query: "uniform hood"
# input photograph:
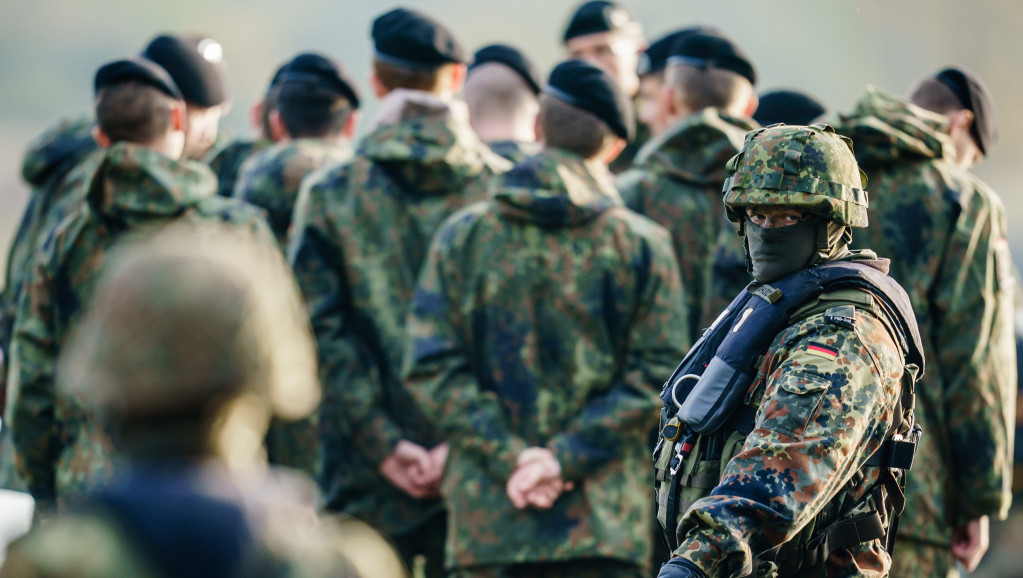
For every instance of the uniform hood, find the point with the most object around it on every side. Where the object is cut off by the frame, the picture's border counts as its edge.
(58, 150)
(885, 128)
(134, 183)
(555, 189)
(697, 148)
(426, 143)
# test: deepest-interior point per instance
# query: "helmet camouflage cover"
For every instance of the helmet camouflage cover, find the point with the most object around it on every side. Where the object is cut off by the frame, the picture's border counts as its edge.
(808, 167)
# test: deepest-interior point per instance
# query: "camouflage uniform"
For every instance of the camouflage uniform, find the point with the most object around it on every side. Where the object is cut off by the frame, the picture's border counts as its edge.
(60, 450)
(546, 316)
(227, 162)
(193, 304)
(628, 155)
(513, 150)
(360, 236)
(676, 181)
(945, 232)
(728, 275)
(270, 179)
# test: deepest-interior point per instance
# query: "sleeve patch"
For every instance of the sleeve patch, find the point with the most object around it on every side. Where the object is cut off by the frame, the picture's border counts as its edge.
(824, 351)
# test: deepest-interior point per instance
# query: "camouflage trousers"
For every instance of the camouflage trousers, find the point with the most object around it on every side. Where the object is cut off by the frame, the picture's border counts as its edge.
(914, 559)
(592, 568)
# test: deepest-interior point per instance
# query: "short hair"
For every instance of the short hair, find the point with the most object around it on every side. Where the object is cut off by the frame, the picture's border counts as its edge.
(572, 129)
(935, 96)
(494, 91)
(394, 77)
(133, 112)
(312, 111)
(701, 88)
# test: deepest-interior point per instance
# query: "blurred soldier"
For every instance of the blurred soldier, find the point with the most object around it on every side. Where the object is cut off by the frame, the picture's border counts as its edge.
(945, 231)
(787, 426)
(605, 33)
(789, 107)
(194, 340)
(730, 272)
(707, 100)
(228, 162)
(137, 186)
(651, 77)
(196, 64)
(543, 322)
(501, 90)
(360, 236)
(313, 122)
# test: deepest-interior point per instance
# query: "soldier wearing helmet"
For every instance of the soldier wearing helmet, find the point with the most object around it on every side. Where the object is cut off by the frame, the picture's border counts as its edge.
(787, 428)
(196, 337)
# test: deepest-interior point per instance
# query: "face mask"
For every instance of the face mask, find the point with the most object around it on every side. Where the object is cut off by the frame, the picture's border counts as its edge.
(781, 251)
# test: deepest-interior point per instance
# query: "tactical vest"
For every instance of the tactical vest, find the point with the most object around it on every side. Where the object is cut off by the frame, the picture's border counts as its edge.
(705, 420)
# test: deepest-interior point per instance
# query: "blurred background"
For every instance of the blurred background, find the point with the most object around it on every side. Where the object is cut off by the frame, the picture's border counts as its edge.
(49, 50)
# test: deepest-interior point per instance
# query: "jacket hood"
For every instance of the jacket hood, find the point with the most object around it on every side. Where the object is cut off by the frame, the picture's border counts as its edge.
(869, 258)
(885, 128)
(427, 143)
(555, 189)
(696, 149)
(134, 183)
(58, 150)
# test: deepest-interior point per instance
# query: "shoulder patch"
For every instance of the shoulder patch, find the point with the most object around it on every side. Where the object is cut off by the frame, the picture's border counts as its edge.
(842, 315)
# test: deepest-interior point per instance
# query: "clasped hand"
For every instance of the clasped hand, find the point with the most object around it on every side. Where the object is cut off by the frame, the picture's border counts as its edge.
(536, 481)
(414, 469)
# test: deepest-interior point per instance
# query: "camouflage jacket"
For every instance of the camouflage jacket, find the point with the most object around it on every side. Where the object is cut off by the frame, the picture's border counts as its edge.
(945, 233)
(513, 150)
(547, 315)
(825, 393)
(676, 181)
(271, 177)
(60, 449)
(360, 236)
(226, 162)
(186, 520)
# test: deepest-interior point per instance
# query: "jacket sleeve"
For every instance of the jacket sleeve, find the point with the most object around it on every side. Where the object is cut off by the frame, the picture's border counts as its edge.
(437, 368)
(352, 407)
(657, 340)
(818, 421)
(973, 337)
(30, 408)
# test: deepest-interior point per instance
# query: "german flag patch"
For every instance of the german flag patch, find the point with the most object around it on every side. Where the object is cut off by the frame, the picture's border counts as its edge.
(822, 351)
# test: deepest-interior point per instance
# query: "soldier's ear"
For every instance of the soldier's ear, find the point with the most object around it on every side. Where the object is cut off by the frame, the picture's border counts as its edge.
(278, 132)
(667, 102)
(100, 137)
(613, 149)
(351, 125)
(751, 105)
(538, 129)
(177, 117)
(457, 77)
(378, 87)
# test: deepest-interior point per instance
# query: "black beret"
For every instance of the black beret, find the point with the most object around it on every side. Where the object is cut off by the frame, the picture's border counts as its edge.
(599, 16)
(510, 57)
(588, 87)
(318, 70)
(136, 69)
(410, 39)
(195, 63)
(789, 107)
(974, 96)
(713, 51)
(655, 58)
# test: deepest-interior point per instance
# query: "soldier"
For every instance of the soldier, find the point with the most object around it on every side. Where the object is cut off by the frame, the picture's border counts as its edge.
(651, 77)
(195, 338)
(787, 426)
(789, 107)
(605, 33)
(360, 236)
(730, 271)
(539, 329)
(946, 230)
(707, 100)
(501, 90)
(137, 186)
(313, 122)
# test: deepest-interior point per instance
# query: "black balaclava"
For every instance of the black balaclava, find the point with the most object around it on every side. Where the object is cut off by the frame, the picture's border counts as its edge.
(774, 253)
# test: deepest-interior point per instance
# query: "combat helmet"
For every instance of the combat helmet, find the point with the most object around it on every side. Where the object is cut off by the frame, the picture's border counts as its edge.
(809, 167)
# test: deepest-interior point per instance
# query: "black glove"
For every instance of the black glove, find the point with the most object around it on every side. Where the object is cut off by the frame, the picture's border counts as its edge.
(680, 568)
